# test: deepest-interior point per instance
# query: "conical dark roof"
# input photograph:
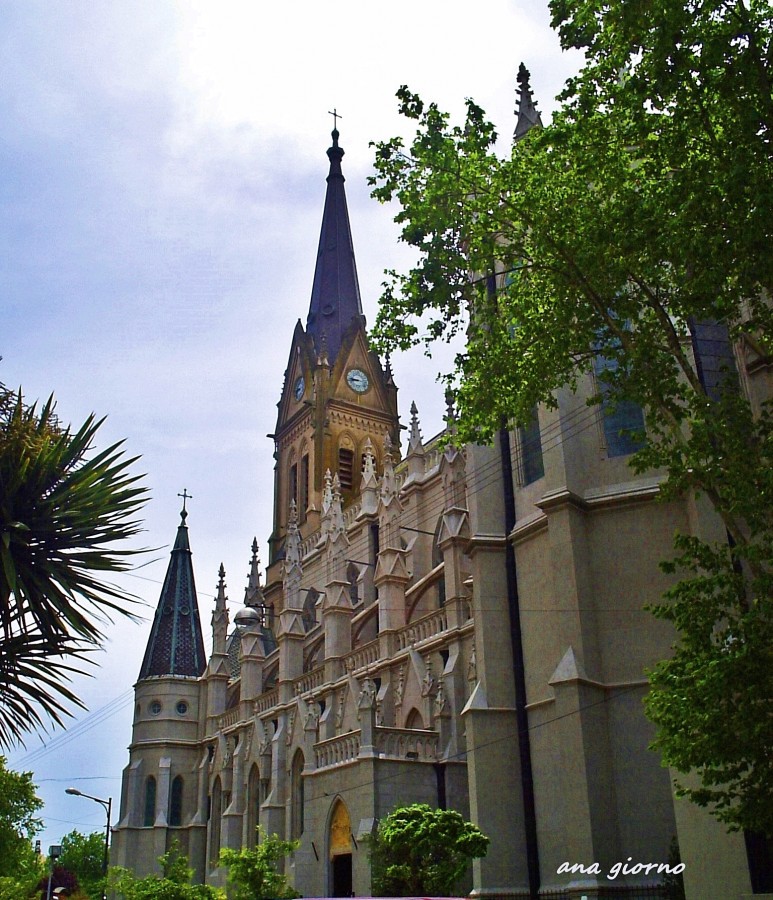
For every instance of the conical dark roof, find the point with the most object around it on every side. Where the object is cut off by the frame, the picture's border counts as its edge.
(335, 294)
(176, 646)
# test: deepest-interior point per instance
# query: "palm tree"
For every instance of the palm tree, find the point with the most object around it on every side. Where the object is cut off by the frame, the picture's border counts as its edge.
(62, 508)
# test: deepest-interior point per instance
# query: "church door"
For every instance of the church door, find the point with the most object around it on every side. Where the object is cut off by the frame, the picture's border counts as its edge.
(340, 843)
(342, 875)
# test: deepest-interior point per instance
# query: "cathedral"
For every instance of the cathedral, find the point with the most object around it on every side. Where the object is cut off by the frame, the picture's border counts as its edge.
(458, 626)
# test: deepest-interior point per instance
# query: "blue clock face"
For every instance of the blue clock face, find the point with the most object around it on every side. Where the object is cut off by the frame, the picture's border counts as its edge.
(299, 387)
(357, 380)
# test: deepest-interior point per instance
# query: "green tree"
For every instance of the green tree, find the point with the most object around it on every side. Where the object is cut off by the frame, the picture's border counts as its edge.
(83, 855)
(18, 822)
(417, 850)
(173, 884)
(29, 869)
(62, 507)
(252, 872)
(641, 213)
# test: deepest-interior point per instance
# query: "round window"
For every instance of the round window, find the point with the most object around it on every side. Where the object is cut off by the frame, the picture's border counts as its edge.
(155, 707)
(182, 708)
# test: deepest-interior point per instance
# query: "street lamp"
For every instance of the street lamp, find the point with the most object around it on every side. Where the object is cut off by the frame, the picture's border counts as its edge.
(108, 805)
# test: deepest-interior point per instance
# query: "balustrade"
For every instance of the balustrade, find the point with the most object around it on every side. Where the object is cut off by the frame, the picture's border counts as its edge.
(337, 750)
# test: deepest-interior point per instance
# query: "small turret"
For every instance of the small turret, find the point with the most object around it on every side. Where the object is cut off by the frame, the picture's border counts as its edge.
(528, 116)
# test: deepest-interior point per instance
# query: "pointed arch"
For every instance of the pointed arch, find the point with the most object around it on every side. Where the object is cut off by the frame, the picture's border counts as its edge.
(309, 615)
(345, 458)
(304, 475)
(296, 795)
(176, 801)
(339, 829)
(414, 719)
(438, 559)
(215, 819)
(149, 808)
(292, 478)
(353, 577)
(253, 805)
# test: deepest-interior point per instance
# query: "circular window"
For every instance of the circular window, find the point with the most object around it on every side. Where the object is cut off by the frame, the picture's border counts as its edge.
(182, 707)
(155, 707)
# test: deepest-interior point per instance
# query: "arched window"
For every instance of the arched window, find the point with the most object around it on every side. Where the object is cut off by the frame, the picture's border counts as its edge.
(292, 481)
(437, 558)
(215, 816)
(296, 793)
(623, 420)
(303, 485)
(353, 577)
(530, 444)
(346, 462)
(149, 813)
(176, 802)
(414, 719)
(253, 805)
(309, 615)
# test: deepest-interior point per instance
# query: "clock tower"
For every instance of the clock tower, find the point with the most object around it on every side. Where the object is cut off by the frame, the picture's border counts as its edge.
(336, 395)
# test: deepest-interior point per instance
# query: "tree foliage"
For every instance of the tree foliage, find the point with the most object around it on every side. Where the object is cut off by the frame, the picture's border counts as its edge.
(417, 850)
(173, 884)
(19, 803)
(83, 855)
(62, 508)
(640, 214)
(252, 872)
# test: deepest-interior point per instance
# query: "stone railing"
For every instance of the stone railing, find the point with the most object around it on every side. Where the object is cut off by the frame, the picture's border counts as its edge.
(360, 658)
(432, 459)
(266, 701)
(406, 743)
(351, 513)
(426, 627)
(231, 717)
(310, 680)
(310, 543)
(337, 750)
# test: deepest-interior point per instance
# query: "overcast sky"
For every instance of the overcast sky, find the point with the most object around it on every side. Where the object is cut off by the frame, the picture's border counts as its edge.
(162, 173)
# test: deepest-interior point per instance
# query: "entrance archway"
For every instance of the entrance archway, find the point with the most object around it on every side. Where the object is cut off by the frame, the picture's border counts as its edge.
(340, 851)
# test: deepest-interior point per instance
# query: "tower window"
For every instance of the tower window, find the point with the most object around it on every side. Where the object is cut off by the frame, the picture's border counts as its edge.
(294, 483)
(623, 420)
(304, 488)
(346, 468)
(531, 450)
(149, 813)
(176, 802)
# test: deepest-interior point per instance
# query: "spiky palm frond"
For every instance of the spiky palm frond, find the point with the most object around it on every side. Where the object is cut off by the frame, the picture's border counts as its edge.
(62, 509)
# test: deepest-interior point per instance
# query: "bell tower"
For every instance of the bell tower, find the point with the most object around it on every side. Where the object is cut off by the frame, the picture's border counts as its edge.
(336, 393)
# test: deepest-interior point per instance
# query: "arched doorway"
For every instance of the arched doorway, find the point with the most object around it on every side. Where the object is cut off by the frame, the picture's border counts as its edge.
(340, 851)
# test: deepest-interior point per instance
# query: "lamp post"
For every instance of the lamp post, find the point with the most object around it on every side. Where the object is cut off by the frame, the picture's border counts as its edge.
(108, 805)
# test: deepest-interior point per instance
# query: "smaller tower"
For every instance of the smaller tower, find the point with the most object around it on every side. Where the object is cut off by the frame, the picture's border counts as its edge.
(161, 789)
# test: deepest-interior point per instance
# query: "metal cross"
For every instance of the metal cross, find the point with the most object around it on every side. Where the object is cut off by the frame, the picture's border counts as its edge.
(186, 496)
(336, 115)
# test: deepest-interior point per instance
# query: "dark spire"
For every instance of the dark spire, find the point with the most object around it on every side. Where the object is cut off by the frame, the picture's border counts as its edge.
(335, 294)
(528, 117)
(176, 646)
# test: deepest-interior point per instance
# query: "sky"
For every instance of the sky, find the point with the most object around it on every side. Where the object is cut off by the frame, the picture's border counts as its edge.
(162, 174)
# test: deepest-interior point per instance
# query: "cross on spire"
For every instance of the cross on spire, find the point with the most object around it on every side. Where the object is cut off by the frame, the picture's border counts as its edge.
(186, 496)
(336, 116)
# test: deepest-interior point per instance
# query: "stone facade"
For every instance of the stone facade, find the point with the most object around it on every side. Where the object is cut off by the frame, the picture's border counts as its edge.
(411, 644)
